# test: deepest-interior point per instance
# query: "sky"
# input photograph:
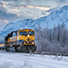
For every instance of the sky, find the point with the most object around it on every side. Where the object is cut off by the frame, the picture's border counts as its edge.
(14, 10)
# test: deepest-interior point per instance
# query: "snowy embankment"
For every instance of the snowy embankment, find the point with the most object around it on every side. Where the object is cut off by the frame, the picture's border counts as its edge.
(23, 60)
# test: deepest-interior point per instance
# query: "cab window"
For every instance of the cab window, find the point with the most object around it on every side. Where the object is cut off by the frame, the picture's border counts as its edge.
(23, 33)
(31, 33)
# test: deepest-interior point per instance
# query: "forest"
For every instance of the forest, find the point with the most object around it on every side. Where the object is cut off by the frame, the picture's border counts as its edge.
(53, 40)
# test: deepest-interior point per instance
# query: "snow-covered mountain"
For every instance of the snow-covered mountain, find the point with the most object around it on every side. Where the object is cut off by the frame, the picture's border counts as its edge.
(55, 17)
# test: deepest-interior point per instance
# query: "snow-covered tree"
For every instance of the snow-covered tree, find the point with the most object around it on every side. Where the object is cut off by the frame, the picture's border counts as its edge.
(53, 40)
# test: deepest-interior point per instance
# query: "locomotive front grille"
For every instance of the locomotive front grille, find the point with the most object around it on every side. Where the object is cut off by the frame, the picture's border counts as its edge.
(28, 39)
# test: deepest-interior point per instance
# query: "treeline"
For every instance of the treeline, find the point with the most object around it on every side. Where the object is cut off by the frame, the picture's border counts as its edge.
(54, 40)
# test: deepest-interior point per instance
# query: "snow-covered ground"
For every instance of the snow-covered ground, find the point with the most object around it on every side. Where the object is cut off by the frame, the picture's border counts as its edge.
(23, 60)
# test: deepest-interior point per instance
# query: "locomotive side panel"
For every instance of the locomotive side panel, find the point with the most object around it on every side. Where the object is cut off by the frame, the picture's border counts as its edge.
(2, 43)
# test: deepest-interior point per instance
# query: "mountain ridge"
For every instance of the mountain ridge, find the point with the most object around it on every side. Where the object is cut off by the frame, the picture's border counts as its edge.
(55, 17)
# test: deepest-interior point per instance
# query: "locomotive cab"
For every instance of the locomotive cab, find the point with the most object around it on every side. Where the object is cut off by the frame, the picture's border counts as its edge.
(27, 39)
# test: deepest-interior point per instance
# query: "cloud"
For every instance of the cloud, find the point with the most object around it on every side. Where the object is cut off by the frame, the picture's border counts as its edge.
(37, 7)
(61, 2)
(1, 7)
(1, 3)
(27, 1)
(4, 21)
(64, 1)
(29, 6)
(9, 16)
(9, 0)
(4, 15)
(15, 10)
(25, 4)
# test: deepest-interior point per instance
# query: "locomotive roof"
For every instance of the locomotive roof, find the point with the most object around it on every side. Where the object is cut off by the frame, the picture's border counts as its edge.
(21, 30)
(26, 30)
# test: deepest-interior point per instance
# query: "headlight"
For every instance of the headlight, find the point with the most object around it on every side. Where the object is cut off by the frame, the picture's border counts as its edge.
(32, 42)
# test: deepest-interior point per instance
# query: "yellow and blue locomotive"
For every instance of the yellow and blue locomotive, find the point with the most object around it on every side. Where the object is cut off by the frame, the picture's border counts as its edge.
(22, 40)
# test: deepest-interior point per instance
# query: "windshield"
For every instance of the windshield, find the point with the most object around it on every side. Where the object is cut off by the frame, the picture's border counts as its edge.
(31, 33)
(23, 33)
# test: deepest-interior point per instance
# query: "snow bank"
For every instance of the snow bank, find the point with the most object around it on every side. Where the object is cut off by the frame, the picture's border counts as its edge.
(24, 60)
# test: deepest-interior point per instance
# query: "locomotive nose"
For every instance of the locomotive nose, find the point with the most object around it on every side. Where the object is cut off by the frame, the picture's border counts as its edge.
(28, 39)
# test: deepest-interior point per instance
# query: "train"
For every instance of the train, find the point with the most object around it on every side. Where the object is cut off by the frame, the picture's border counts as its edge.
(20, 40)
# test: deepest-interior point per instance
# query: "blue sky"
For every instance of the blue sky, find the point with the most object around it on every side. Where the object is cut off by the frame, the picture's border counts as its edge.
(13, 10)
